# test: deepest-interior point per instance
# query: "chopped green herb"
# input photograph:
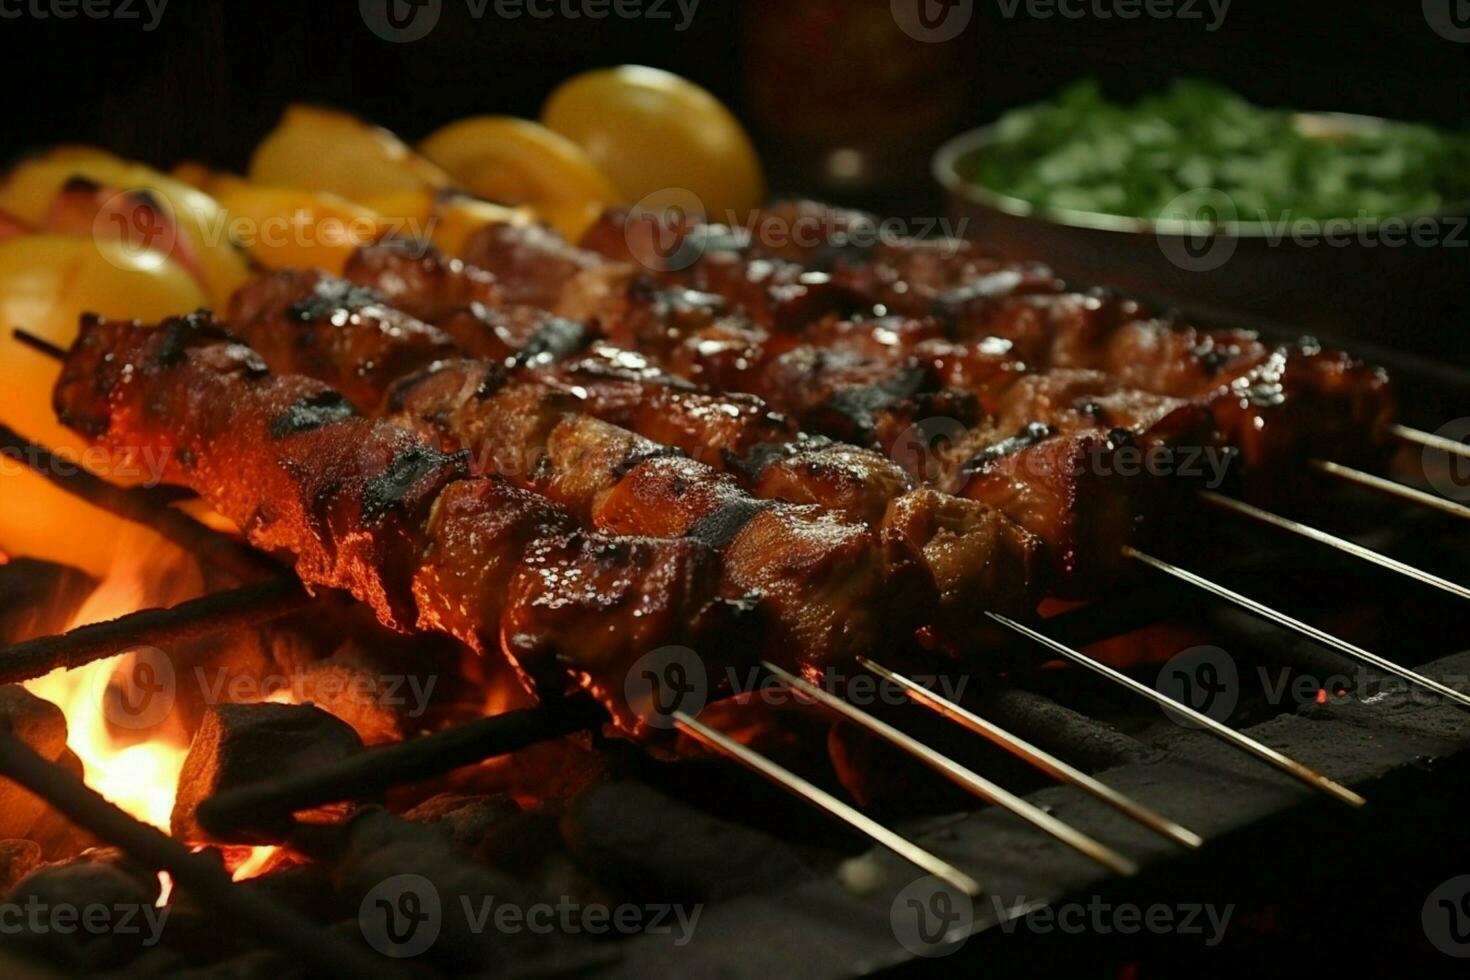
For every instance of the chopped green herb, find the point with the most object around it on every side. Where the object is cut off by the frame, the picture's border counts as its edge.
(1084, 153)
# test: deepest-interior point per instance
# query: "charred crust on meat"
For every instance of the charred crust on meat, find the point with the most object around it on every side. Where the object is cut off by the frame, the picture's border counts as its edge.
(718, 529)
(329, 296)
(312, 412)
(555, 338)
(642, 455)
(399, 393)
(384, 492)
(763, 454)
(177, 333)
(861, 405)
(1033, 434)
(495, 378)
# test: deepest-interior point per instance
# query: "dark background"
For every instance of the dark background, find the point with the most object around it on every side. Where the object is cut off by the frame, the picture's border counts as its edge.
(212, 79)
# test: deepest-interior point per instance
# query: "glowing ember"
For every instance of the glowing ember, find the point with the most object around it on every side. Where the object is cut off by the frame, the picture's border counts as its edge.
(257, 861)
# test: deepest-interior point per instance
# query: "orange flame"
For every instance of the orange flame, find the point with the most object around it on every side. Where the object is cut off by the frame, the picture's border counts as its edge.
(140, 778)
(140, 775)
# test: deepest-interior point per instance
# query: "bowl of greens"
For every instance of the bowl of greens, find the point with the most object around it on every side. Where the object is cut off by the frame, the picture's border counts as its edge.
(1195, 196)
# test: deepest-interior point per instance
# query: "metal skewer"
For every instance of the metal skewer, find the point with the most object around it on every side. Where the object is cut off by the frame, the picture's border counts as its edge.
(1431, 440)
(1306, 629)
(1260, 750)
(1391, 487)
(39, 344)
(821, 799)
(1333, 541)
(961, 776)
(1038, 757)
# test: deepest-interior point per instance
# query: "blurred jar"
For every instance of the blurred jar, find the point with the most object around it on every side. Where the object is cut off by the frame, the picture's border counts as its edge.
(848, 100)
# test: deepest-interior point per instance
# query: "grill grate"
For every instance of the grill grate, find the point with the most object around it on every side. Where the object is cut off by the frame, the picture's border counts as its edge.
(1397, 746)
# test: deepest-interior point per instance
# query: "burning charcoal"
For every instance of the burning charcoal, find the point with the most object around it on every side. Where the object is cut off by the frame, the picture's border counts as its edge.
(18, 858)
(529, 846)
(518, 844)
(646, 846)
(467, 819)
(86, 915)
(305, 888)
(59, 838)
(38, 598)
(42, 726)
(243, 743)
(376, 707)
(877, 775)
(393, 870)
(1082, 740)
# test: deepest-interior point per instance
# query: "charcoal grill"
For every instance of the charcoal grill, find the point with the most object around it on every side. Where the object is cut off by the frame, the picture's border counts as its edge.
(1271, 843)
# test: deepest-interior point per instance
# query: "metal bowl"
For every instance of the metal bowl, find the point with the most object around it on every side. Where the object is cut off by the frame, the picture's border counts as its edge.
(1402, 281)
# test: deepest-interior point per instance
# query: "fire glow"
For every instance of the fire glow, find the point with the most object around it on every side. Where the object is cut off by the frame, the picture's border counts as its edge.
(140, 778)
(136, 770)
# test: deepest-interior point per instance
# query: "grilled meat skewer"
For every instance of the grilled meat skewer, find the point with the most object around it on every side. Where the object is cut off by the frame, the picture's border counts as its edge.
(1273, 403)
(375, 509)
(813, 569)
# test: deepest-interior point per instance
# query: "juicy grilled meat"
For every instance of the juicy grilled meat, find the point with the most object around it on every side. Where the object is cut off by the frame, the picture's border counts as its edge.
(370, 507)
(420, 280)
(341, 333)
(543, 424)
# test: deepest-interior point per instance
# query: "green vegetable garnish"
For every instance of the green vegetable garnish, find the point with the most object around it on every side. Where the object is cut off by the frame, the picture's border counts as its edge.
(1084, 153)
